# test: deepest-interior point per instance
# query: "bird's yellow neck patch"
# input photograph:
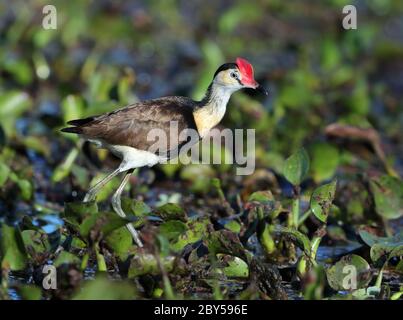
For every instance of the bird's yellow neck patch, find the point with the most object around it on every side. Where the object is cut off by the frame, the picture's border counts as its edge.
(206, 119)
(209, 115)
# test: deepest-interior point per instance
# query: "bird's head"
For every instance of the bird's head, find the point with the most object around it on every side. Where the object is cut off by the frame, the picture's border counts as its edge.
(238, 75)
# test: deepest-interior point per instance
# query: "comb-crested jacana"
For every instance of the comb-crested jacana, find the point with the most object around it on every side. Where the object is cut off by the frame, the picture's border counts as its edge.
(124, 131)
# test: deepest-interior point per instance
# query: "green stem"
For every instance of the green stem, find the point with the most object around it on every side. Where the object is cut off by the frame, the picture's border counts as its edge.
(84, 261)
(378, 281)
(100, 260)
(304, 217)
(168, 291)
(314, 248)
(295, 212)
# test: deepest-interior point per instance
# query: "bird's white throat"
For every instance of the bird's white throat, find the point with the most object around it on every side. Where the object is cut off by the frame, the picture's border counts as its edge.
(209, 115)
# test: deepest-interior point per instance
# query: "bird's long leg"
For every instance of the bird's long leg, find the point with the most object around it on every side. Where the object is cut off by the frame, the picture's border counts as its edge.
(92, 193)
(116, 204)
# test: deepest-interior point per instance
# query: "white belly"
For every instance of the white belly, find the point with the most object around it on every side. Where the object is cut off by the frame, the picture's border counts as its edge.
(131, 157)
(134, 158)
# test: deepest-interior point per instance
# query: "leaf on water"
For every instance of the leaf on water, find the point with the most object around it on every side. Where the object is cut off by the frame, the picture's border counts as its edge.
(120, 241)
(301, 240)
(350, 273)
(76, 212)
(104, 222)
(196, 230)
(321, 200)
(145, 263)
(296, 167)
(235, 267)
(388, 196)
(171, 211)
(172, 229)
(136, 207)
(383, 246)
(12, 246)
(226, 242)
(36, 242)
(104, 289)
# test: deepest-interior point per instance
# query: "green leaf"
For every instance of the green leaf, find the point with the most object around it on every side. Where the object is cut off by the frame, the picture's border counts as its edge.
(388, 196)
(359, 99)
(72, 107)
(330, 54)
(104, 289)
(29, 292)
(144, 263)
(37, 144)
(233, 226)
(321, 200)
(36, 242)
(104, 222)
(20, 69)
(66, 258)
(226, 242)
(135, 207)
(199, 175)
(4, 173)
(196, 230)
(172, 229)
(301, 240)
(235, 267)
(63, 169)
(267, 240)
(324, 161)
(171, 211)
(25, 188)
(120, 241)
(12, 247)
(12, 105)
(262, 197)
(76, 212)
(388, 247)
(77, 243)
(296, 167)
(350, 273)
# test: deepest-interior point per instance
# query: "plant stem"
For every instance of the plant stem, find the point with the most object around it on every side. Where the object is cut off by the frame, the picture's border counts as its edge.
(168, 291)
(295, 212)
(100, 260)
(314, 248)
(295, 207)
(304, 217)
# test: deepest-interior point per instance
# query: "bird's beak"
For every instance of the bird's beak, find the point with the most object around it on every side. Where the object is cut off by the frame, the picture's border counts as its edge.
(253, 84)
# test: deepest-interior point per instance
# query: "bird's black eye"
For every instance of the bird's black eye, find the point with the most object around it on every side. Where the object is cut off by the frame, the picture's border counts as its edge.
(234, 75)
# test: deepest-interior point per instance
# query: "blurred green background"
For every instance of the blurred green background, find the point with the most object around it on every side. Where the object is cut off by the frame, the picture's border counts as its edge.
(338, 93)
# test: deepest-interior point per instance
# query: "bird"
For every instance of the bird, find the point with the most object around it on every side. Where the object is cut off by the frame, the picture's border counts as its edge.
(124, 131)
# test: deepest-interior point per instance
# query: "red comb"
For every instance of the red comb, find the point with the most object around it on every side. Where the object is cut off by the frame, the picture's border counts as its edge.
(247, 71)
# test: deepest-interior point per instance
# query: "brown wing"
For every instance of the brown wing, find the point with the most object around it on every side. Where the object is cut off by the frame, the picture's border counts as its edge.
(130, 126)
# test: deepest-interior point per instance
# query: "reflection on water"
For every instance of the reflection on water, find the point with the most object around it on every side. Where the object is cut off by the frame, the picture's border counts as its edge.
(325, 252)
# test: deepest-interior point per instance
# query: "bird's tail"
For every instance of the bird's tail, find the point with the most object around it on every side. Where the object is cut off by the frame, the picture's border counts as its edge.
(77, 130)
(77, 125)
